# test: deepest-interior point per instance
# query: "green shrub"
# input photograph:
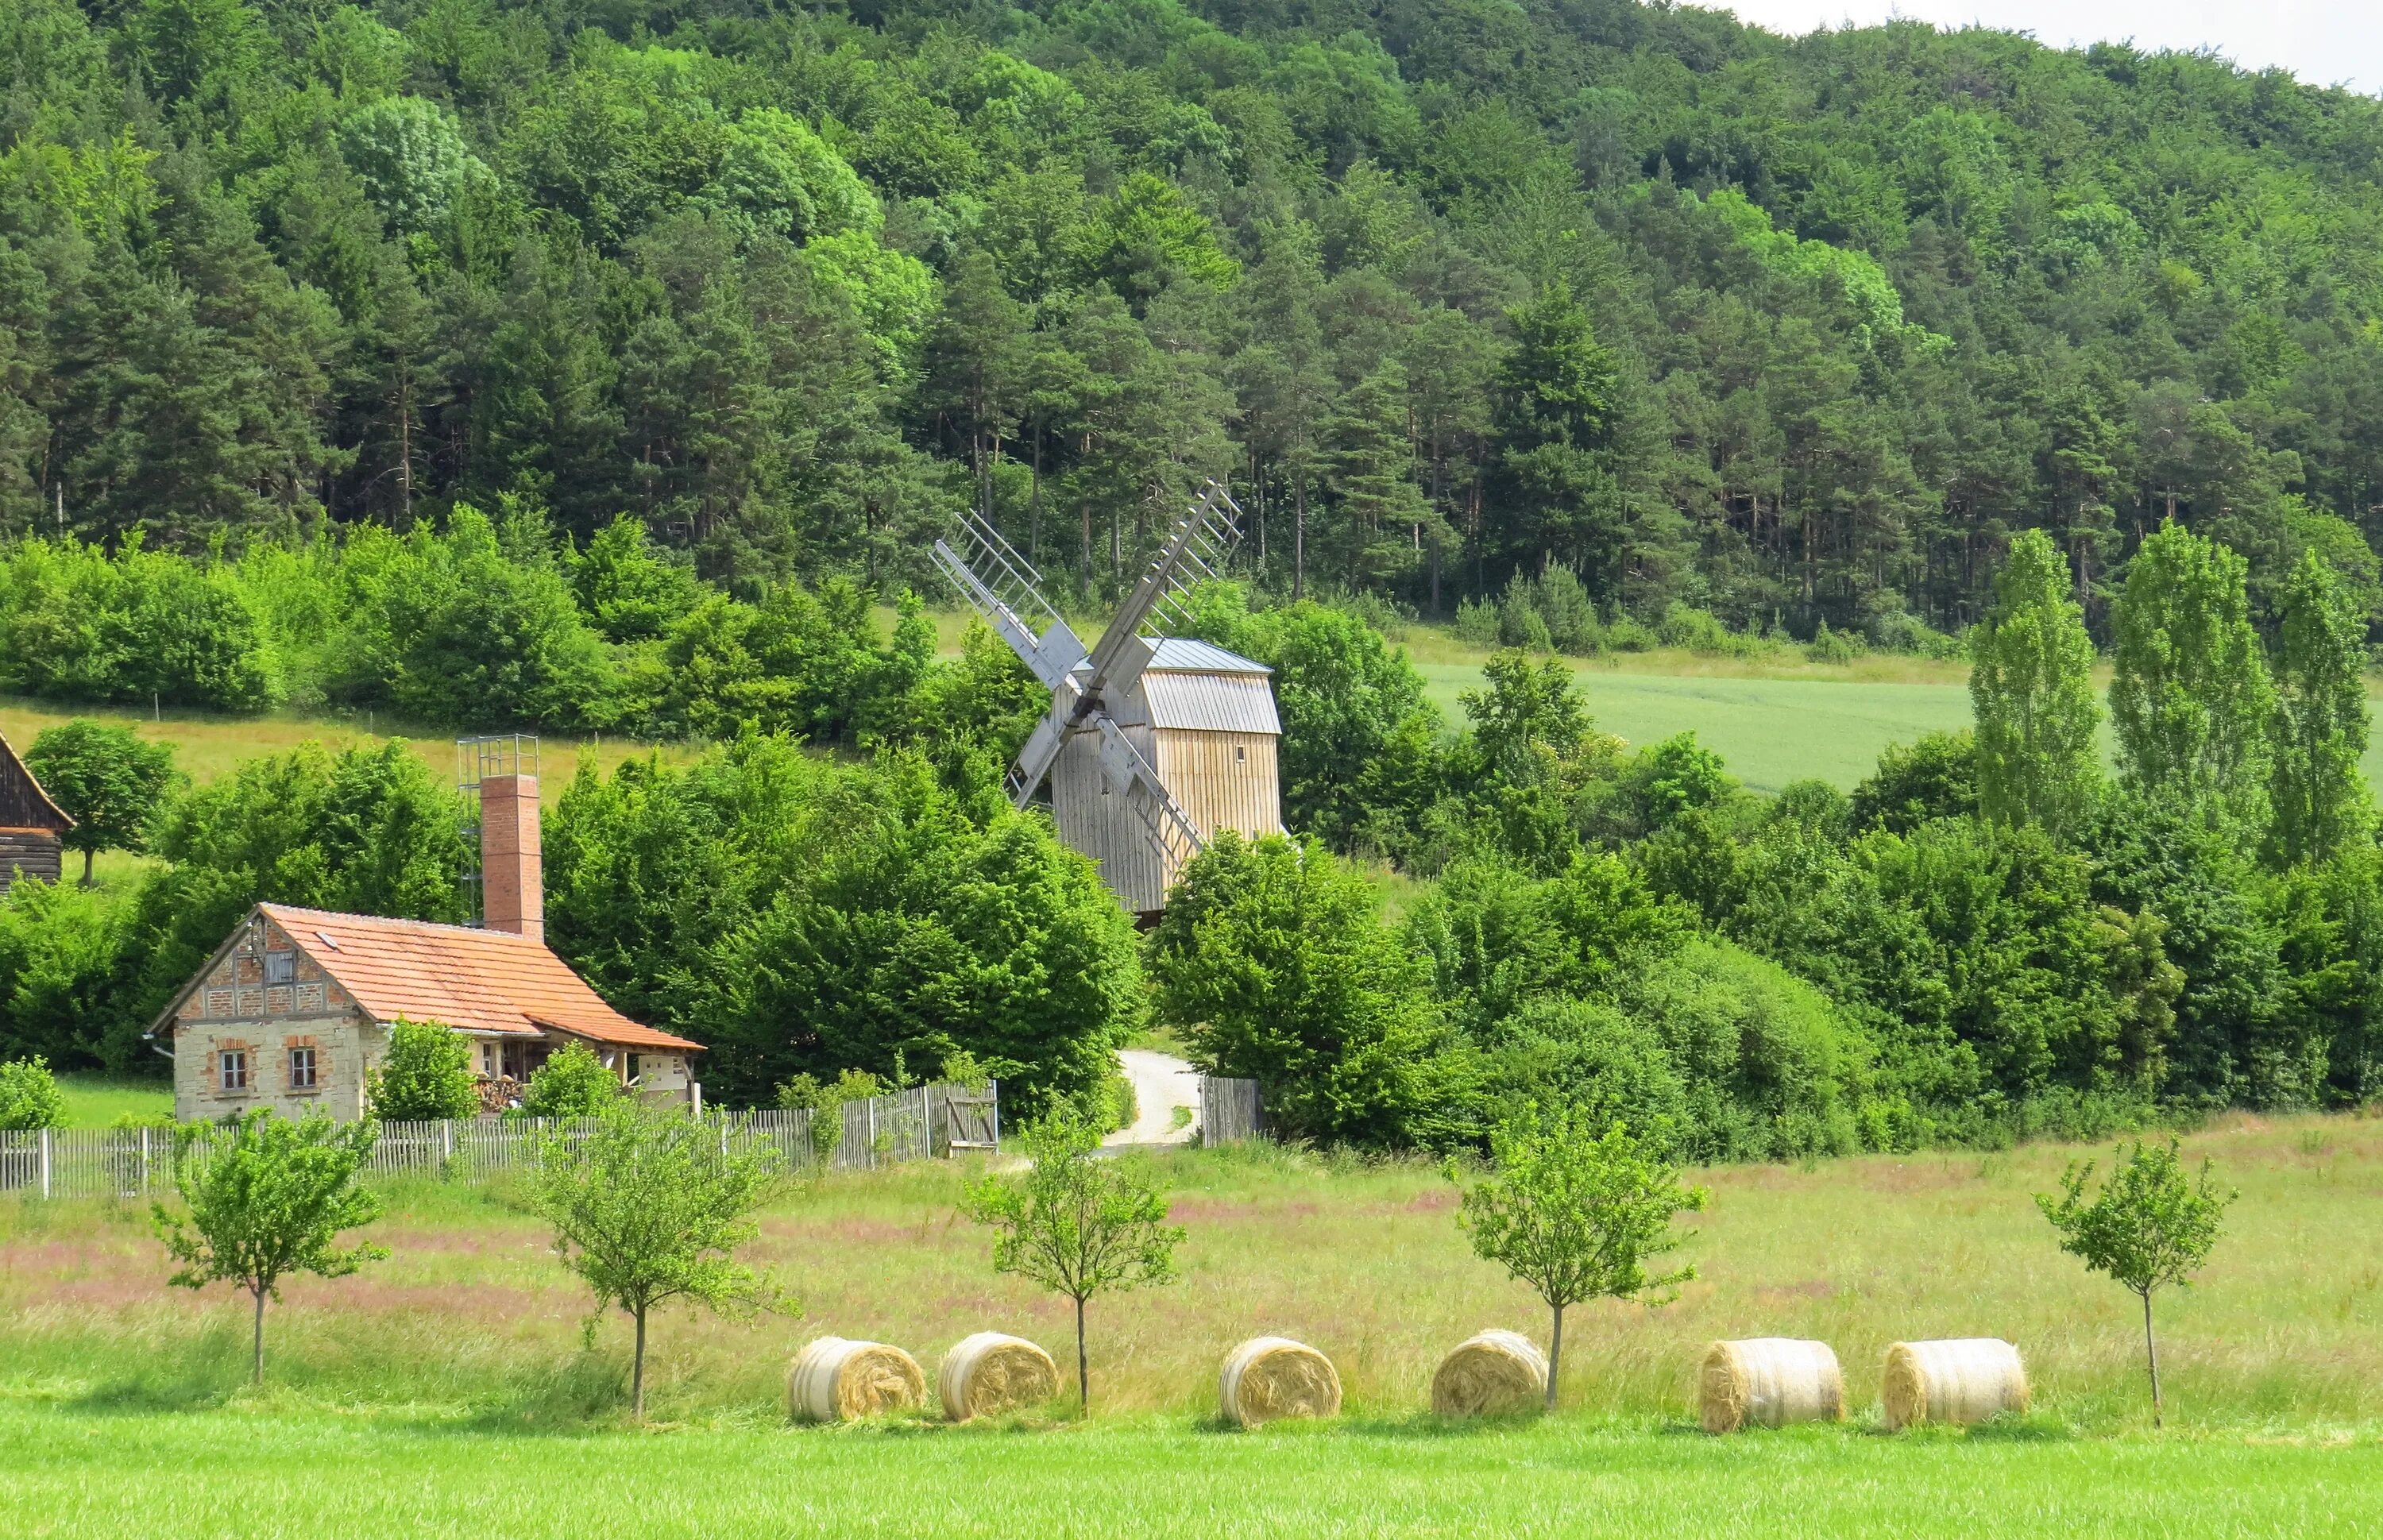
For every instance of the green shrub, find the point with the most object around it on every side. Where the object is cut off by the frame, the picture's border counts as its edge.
(1559, 1052)
(573, 1083)
(1476, 623)
(1570, 617)
(1519, 621)
(30, 1097)
(426, 1074)
(1833, 646)
(1625, 633)
(1772, 1070)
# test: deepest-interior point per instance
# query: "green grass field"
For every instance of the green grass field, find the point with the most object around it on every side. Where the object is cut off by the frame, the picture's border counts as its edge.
(97, 1100)
(449, 1390)
(101, 1473)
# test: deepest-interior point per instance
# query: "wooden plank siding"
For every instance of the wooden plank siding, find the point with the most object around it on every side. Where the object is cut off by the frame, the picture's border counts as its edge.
(1223, 779)
(28, 853)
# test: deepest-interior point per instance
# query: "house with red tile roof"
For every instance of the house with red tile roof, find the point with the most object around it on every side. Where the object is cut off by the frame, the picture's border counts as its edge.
(293, 1011)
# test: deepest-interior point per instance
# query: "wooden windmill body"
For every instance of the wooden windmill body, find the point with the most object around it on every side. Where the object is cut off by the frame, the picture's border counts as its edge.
(1153, 744)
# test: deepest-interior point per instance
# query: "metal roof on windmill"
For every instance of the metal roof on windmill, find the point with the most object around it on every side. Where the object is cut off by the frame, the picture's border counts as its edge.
(1153, 744)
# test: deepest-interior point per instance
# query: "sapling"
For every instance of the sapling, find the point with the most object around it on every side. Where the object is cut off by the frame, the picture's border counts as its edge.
(1076, 1223)
(1577, 1214)
(268, 1197)
(651, 1206)
(2150, 1226)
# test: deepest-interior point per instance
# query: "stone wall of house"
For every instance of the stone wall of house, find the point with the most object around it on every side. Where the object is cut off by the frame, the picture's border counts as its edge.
(264, 1000)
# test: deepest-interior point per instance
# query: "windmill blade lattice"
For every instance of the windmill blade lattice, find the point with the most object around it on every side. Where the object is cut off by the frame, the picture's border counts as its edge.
(1003, 587)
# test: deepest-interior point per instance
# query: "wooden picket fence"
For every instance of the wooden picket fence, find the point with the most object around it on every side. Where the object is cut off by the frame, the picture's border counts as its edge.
(922, 1123)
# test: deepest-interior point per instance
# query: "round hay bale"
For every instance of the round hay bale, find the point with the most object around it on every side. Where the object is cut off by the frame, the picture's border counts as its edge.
(992, 1373)
(1490, 1376)
(1271, 1377)
(835, 1379)
(1767, 1382)
(1961, 1380)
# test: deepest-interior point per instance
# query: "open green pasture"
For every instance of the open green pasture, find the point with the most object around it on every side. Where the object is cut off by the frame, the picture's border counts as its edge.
(98, 1101)
(451, 1388)
(1773, 728)
(98, 1474)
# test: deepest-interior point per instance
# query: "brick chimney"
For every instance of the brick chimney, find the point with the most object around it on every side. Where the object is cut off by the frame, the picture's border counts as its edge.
(512, 875)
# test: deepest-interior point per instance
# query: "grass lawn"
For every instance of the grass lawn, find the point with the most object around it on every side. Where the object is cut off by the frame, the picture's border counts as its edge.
(449, 1387)
(96, 1472)
(97, 1100)
(207, 745)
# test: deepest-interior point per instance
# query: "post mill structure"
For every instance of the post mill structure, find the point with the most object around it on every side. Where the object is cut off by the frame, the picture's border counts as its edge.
(1153, 742)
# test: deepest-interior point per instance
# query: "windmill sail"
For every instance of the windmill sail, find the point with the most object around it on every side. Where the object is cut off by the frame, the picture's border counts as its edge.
(1004, 588)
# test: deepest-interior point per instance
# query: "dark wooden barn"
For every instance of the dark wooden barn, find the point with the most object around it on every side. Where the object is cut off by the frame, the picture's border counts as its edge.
(30, 824)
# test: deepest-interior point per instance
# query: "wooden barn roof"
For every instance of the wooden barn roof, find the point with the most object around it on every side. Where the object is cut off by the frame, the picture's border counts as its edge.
(23, 804)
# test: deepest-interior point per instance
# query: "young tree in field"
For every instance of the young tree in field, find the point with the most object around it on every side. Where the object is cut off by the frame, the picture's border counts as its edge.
(267, 1199)
(649, 1207)
(30, 1097)
(2032, 688)
(1078, 1224)
(2150, 1226)
(573, 1083)
(2321, 803)
(1577, 1214)
(2192, 700)
(427, 1073)
(108, 782)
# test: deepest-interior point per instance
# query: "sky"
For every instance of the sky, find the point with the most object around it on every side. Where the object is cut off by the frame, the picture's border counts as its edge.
(2323, 41)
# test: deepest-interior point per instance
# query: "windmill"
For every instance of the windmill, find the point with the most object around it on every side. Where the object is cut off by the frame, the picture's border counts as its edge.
(1152, 743)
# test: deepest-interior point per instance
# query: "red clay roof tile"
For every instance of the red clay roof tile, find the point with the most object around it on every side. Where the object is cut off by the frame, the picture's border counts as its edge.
(478, 981)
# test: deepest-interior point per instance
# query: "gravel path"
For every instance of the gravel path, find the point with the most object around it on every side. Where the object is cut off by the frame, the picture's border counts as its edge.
(1161, 1083)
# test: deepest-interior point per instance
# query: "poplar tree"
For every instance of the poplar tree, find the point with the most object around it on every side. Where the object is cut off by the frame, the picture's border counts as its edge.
(2320, 723)
(2032, 689)
(2192, 700)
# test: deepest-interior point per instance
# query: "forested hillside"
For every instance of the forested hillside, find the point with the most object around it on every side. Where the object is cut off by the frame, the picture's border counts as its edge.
(1791, 331)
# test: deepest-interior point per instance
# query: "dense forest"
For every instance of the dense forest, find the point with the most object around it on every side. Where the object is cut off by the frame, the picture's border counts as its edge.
(1793, 332)
(612, 367)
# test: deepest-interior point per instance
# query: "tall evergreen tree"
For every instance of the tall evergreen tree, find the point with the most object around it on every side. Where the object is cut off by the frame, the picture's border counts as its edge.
(2320, 727)
(2032, 690)
(2192, 700)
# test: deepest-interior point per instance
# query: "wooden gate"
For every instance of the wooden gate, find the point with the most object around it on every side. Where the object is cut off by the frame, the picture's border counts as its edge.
(971, 1120)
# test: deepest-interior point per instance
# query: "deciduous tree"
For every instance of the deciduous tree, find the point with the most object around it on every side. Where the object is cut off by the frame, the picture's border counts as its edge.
(1076, 1224)
(651, 1206)
(263, 1199)
(2149, 1227)
(1577, 1214)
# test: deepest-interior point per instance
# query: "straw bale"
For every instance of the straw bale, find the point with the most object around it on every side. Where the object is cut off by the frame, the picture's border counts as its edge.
(1959, 1380)
(1769, 1381)
(1271, 1377)
(835, 1379)
(992, 1373)
(1489, 1375)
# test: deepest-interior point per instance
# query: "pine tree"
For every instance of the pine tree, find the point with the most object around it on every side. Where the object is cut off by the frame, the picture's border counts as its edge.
(1373, 477)
(2032, 690)
(2192, 700)
(2320, 724)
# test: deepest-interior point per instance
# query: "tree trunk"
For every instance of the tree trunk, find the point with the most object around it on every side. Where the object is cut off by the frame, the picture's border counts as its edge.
(87, 855)
(1298, 537)
(256, 1343)
(637, 1372)
(1083, 1374)
(1555, 1352)
(2151, 1351)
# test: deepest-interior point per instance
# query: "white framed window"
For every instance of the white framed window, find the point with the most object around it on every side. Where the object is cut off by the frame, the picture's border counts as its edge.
(231, 1069)
(489, 1060)
(302, 1068)
(280, 967)
(1241, 753)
